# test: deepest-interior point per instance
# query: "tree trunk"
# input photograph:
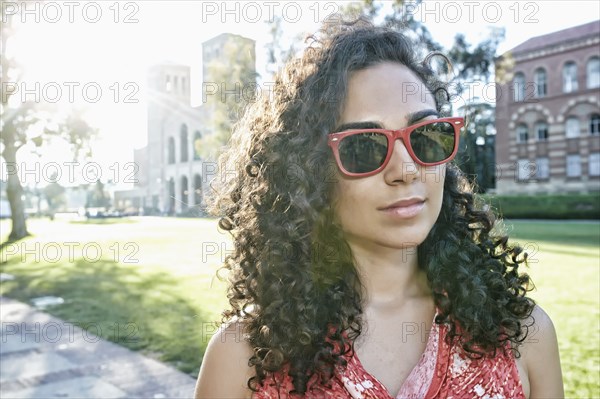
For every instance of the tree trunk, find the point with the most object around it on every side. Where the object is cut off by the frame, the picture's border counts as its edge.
(14, 191)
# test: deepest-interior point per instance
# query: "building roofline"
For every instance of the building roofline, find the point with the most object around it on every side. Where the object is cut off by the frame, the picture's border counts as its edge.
(575, 33)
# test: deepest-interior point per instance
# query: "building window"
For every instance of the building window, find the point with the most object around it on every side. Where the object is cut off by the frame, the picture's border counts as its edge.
(175, 83)
(523, 169)
(522, 134)
(197, 144)
(183, 141)
(540, 83)
(197, 190)
(541, 131)
(573, 166)
(184, 194)
(595, 124)
(183, 84)
(593, 73)
(542, 168)
(171, 206)
(168, 84)
(570, 77)
(572, 127)
(594, 164)
(519, 87)
(171, 149)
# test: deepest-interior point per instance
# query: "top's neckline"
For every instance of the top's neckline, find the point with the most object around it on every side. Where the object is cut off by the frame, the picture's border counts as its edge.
(432, 339)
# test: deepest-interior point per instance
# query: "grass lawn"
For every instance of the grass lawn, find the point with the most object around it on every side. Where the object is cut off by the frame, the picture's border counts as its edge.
(142, 283)
(565, 267)
(149, 284)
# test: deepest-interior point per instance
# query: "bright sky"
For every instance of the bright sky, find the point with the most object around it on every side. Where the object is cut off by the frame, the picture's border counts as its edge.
(107, 45)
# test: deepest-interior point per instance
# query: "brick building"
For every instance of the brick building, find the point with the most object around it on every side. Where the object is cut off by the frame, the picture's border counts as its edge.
(548, 114)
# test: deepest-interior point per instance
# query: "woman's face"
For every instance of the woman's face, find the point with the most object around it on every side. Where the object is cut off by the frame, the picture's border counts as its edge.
(389, 96)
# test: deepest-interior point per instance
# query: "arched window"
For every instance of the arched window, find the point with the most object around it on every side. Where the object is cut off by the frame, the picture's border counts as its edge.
(197, 190)
(541, 87)
(593, 73)
(519, 87)
(522, 133)
(183, 141)
(541, 131)
(171, 209)
(570, 77)
(595, 124)
(171, 149)
(572, 127)
(197, 143)
(184, 193)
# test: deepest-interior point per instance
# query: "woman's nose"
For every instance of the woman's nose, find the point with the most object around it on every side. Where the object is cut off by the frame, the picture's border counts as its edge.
(401, 166)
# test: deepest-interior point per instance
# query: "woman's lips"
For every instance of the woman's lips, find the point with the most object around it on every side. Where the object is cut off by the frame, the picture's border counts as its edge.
(406, 210)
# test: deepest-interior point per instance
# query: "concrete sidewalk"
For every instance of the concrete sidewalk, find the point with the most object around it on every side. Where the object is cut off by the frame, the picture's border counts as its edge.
(44, 357)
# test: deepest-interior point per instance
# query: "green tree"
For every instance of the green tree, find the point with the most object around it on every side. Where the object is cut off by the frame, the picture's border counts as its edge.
(280, 49)
(476, 156)
(97, 197)
(18, 122)
(401, 17)
(470, 62)
(234, 73)
(55, 196)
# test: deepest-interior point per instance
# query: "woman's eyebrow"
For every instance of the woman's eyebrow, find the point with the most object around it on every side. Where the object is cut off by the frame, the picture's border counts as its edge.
(412, 118)
(418, 115)
(358, 125)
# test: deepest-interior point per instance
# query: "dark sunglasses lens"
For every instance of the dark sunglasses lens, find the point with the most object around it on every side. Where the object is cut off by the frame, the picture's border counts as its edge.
(363, 152)
(433, 142)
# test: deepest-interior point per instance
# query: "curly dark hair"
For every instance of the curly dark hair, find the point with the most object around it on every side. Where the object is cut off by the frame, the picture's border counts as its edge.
(293, 283)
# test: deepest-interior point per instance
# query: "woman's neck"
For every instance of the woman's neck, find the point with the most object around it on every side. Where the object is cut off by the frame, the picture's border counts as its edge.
(390, 276)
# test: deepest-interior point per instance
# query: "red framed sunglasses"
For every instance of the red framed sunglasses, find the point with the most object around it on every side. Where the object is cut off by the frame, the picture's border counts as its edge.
(365, 152)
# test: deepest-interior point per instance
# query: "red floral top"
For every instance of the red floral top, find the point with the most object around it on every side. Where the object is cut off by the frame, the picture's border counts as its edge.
(443, 372)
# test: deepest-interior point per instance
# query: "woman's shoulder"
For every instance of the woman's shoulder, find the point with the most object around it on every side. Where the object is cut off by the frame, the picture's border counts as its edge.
(224, 372)
(541, 333)
(540, 355)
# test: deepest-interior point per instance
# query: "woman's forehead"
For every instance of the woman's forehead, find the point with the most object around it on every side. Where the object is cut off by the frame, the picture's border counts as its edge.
(384, 89)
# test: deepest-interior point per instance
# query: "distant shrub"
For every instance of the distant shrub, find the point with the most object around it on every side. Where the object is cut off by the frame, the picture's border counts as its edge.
(565, 206)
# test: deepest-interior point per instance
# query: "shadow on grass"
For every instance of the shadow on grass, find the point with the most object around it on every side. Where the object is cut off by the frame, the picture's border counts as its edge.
(121, 303)
(9, 242)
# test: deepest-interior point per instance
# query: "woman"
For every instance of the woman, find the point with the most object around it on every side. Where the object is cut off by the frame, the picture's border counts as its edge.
(363, 267)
